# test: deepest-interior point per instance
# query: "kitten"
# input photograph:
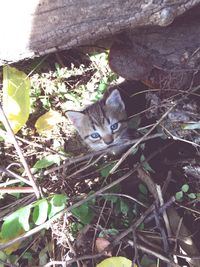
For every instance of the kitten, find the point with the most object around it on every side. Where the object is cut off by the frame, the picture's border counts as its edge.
(103, 123)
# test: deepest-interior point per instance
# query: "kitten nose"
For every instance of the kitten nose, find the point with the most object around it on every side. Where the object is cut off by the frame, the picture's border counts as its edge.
(108, 139)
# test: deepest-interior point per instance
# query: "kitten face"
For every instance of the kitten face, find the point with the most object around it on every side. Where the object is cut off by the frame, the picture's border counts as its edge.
(103, 123)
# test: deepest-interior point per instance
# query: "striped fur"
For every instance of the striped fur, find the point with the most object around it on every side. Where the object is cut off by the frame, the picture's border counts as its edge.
(103, 123)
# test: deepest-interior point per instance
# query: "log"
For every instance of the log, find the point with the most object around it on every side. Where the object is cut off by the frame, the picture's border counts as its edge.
(162, 57)
(37, 27)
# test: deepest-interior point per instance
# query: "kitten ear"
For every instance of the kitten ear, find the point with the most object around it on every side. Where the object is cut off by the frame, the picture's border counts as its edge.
(114, 100)
(75, 117)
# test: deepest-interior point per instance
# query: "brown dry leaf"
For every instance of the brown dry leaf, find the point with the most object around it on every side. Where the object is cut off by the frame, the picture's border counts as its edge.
(101, 243)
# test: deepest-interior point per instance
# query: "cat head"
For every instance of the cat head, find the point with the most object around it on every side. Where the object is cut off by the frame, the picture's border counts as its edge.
(103, 123)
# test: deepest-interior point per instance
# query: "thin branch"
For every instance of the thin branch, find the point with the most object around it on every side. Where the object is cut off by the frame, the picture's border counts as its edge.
(154, 253)
(176, 138)
(102, 152)
(126, 196)
(141, 139)
(77, 204)
(59, 214)
(6, 124)
(11, 190)
(26, 181)
(33, 144)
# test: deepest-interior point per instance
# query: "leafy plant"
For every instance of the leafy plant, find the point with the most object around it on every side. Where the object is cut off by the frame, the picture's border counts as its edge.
(23, 219)
(84, 213)
(46, 162)
(106, 169)
(184, 191)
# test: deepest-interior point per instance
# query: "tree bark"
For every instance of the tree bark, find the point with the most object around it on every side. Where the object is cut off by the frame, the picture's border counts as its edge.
(164, 58)
(37, 27)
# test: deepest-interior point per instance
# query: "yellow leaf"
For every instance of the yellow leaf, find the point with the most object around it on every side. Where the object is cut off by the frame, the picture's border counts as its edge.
(47, 122)
(116, 262)
(16, 97)
(9, 250)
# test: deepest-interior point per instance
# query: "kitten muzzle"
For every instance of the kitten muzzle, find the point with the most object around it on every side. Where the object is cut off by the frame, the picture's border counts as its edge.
(108, 140)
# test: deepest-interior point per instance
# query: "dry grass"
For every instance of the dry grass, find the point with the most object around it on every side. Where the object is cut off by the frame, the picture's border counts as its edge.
(133, 220)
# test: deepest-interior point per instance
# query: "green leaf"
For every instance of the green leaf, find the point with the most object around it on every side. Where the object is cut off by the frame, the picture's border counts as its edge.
(116, 262)
(124, 208)
(141, 226)
(112, 199)
(143, 189)
(121, 207)
(103, 85)
(24, 214)
(46, 162)
(179, 195)
(3, 257)
(57, 203)
(15, 223)
(16, 97)
(84, 213)
(75, 228)
(106, 170)
(191, 126)
(40, 211)
(146, 165)
(185, 188)
(192, 195)
(109, 232)
(29, 257)
(147, 261)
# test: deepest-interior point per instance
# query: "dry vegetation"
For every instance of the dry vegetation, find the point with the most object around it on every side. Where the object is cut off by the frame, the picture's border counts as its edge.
(117, 199)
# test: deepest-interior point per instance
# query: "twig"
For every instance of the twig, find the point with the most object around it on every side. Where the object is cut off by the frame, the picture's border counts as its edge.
(77, 204)
(47, 223)
(166, 182)
(190, 91)
(102, 152)
(31, 143)
(190, 209)
(176, 138)
(162, 232)
(143, 218)
(140, 140)
(72, 250)
(126, 196)
(161, 209)
(11, 190)
(97, 225)
(9, 182)
(17, 147)
(164, 212)
(26, 181)
(154, 253)
(134, 226)
(177, 233)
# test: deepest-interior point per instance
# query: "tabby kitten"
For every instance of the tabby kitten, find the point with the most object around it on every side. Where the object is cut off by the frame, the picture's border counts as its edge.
(103, 123)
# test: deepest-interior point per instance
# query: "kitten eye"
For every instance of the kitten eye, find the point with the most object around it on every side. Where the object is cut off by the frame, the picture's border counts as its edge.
(114, 126)
(95, 135)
